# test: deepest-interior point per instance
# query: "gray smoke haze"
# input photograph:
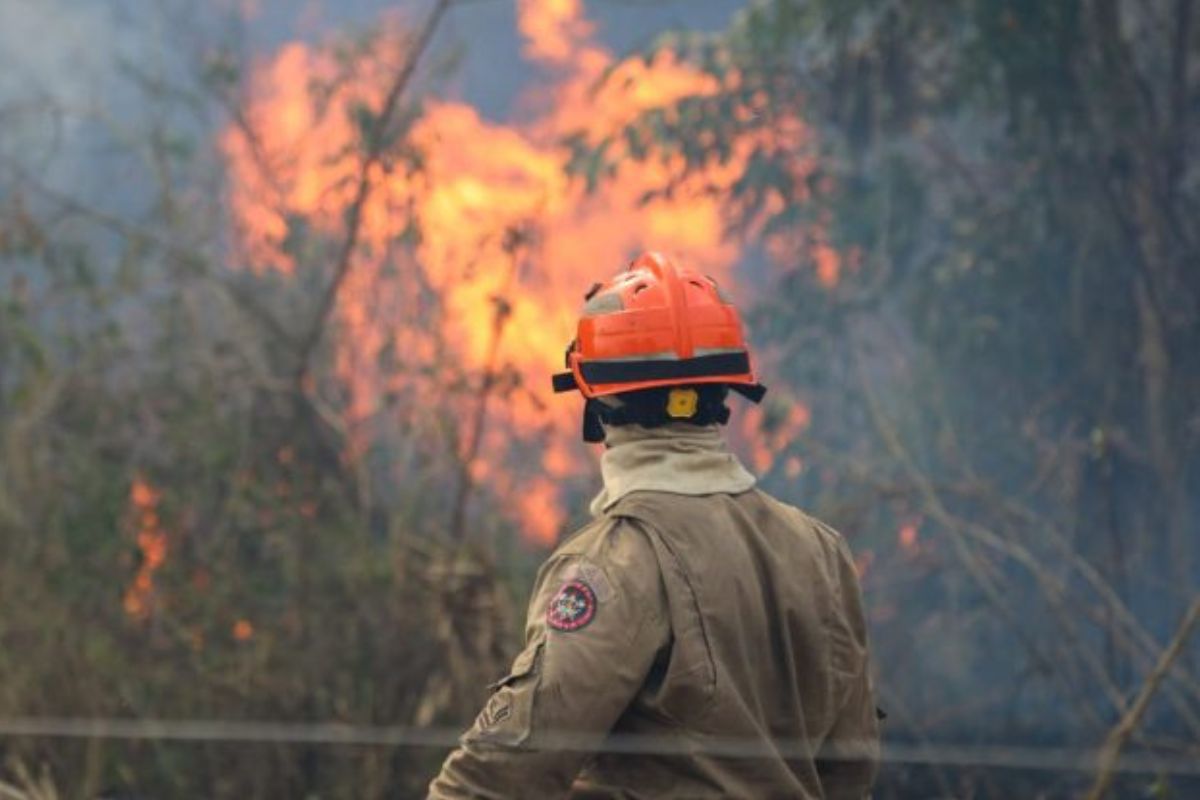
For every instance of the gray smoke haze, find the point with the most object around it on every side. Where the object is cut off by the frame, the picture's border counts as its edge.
(65, 64)
(60, 85)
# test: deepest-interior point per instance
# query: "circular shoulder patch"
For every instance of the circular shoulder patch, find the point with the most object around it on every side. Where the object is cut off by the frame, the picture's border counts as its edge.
(572, 607)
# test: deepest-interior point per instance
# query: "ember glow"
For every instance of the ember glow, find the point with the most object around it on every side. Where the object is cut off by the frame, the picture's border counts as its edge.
(907, 537)
(769, 430)
(152, 548)
(507, 242)
(242, 630)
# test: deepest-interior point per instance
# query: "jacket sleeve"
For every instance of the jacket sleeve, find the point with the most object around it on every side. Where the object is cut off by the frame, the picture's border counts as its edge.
(849, 757)
(596, 621)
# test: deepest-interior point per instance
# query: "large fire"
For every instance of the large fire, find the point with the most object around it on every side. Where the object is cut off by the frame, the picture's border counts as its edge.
(507, 242)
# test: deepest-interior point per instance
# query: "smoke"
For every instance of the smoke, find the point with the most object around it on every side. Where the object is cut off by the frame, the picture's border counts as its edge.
(65, 65)
(60, 83)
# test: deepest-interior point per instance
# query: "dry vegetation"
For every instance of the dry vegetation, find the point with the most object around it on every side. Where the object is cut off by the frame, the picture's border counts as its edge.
(276, 453)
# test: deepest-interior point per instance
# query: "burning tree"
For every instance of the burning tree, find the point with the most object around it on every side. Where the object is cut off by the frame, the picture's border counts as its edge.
(463, 242)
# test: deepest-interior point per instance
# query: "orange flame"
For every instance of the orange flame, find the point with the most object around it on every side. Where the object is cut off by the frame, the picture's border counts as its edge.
(152, 546)
(907, 537)
(864, 560)
(768, 437)
(242, 630)
(556, 33)
(507, 242)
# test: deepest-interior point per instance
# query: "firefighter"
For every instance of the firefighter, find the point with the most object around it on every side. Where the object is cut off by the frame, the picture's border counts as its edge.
(699, 638)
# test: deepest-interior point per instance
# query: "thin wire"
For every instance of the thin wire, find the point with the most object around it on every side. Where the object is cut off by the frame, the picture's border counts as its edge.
(331, 733)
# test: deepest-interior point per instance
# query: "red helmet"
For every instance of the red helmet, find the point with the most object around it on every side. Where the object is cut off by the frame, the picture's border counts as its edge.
(656, 325)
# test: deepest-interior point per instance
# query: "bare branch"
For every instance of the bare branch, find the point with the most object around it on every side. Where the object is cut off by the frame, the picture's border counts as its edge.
(376, 143)
(1120, 734)
(193, 259)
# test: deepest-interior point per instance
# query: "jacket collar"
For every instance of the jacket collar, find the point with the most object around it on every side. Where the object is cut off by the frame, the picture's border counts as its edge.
(679, 458)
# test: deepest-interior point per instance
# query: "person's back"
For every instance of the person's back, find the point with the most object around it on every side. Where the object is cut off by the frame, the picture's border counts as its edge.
(769, 693)
(698, 639)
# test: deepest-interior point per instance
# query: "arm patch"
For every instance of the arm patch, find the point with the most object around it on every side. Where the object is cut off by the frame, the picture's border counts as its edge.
(572, 607)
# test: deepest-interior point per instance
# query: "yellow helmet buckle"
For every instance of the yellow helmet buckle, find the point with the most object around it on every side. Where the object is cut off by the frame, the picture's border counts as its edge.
(682, 403)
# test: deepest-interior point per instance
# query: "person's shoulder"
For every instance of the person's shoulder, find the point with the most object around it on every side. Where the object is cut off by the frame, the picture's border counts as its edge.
(803, 520)
(612, 554)
(607, 538)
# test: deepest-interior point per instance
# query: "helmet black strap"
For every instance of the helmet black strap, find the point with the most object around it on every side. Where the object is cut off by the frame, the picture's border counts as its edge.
(648, 408)
(754, 392)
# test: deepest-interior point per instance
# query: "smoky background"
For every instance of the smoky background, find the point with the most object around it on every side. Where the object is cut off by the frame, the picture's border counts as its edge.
(281, 286)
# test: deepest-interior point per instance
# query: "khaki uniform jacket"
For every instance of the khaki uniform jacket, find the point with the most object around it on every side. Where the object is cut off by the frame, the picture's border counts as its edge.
(683, 646)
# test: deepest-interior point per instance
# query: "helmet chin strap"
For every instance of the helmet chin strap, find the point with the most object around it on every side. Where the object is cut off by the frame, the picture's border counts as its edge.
(593, 427)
